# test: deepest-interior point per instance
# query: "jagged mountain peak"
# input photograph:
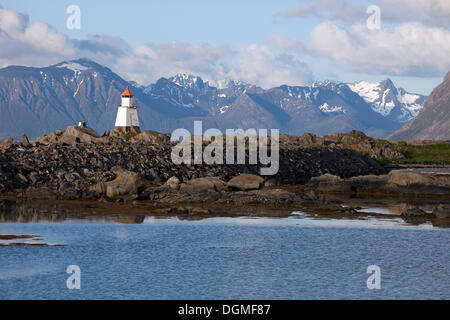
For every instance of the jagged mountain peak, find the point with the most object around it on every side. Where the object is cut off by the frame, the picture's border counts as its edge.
(386, 99)
(433, 121)
(229, 83)
(188, 81)
(325, 83)
(387, 83)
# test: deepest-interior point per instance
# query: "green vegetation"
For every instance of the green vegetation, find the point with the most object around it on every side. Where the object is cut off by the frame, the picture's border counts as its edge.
(427, 153)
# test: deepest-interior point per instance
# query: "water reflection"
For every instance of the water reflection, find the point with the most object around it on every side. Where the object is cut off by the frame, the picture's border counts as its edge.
(27, 211)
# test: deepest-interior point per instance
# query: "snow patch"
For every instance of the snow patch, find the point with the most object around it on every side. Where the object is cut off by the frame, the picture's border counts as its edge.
(223, 109)
(370, 92)
(325, 107)
(75, 67)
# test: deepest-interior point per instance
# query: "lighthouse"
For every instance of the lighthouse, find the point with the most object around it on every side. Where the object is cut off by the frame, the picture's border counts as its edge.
(127, 118)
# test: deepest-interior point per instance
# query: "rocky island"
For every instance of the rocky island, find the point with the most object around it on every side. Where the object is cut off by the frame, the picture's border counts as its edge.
(315, 175)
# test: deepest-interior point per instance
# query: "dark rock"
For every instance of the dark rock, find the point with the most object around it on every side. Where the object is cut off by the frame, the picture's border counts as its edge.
(105, 199)
(442, 211)
(414, 212)
(25, 141)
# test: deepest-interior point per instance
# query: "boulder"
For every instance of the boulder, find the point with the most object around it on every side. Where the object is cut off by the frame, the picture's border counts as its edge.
(126, 183)
(173, 183)
(442, 211)
(199, 185)
(80, 134)
(245, 182)
(406, 178)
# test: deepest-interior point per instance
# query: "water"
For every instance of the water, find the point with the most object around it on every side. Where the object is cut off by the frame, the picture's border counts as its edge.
(228, 258)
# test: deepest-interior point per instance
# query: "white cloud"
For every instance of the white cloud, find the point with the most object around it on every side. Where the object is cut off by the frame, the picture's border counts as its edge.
(36, 44)
(426, 6)
(339, 10)
(258, 64)
(431, 12)
(150, 62)
(411, 49)
(39, 44)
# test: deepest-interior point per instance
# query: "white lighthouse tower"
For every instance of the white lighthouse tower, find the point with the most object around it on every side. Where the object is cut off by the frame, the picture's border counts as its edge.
(127, 118)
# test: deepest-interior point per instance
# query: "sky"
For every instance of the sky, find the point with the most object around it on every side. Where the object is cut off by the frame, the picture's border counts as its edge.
(266, 43)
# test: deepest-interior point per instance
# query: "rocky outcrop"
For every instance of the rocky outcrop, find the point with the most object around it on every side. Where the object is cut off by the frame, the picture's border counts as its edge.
(203, 191)
(353, 140)
(397, 182)
(415, 212)
(66, 164)
(71, 135)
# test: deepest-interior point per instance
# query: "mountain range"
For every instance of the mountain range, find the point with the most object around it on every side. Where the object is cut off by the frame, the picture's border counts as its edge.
(433, 121)
(40, 100)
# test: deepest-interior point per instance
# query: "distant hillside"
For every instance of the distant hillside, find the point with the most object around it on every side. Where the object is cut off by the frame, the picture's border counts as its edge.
(433, 121)
(41, 100)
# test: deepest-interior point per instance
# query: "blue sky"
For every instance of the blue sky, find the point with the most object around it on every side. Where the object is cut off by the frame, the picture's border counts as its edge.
(267, 42)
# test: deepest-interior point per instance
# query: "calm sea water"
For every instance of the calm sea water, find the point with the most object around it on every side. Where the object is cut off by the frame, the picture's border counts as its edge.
(228, 258)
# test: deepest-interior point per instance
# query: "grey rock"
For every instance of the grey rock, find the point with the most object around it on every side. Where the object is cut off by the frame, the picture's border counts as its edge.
(200, 185)
(245, 182)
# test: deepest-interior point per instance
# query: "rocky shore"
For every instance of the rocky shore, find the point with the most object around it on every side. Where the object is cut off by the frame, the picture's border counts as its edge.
(79, 164)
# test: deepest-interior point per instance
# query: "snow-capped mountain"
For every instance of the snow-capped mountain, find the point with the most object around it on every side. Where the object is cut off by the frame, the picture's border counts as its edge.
(433, 121)
(387, 100)
(40, 100)
(228, 83)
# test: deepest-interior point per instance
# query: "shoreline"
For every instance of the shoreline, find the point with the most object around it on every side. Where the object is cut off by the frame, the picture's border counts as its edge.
(327, 206)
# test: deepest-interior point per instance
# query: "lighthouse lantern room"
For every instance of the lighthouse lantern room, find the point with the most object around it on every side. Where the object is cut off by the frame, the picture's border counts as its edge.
(127, 118)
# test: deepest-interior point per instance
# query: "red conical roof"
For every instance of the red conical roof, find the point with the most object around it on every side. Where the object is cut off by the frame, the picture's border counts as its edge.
(127, 93)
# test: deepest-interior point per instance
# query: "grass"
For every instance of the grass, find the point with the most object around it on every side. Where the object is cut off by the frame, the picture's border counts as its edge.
(426, 154)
